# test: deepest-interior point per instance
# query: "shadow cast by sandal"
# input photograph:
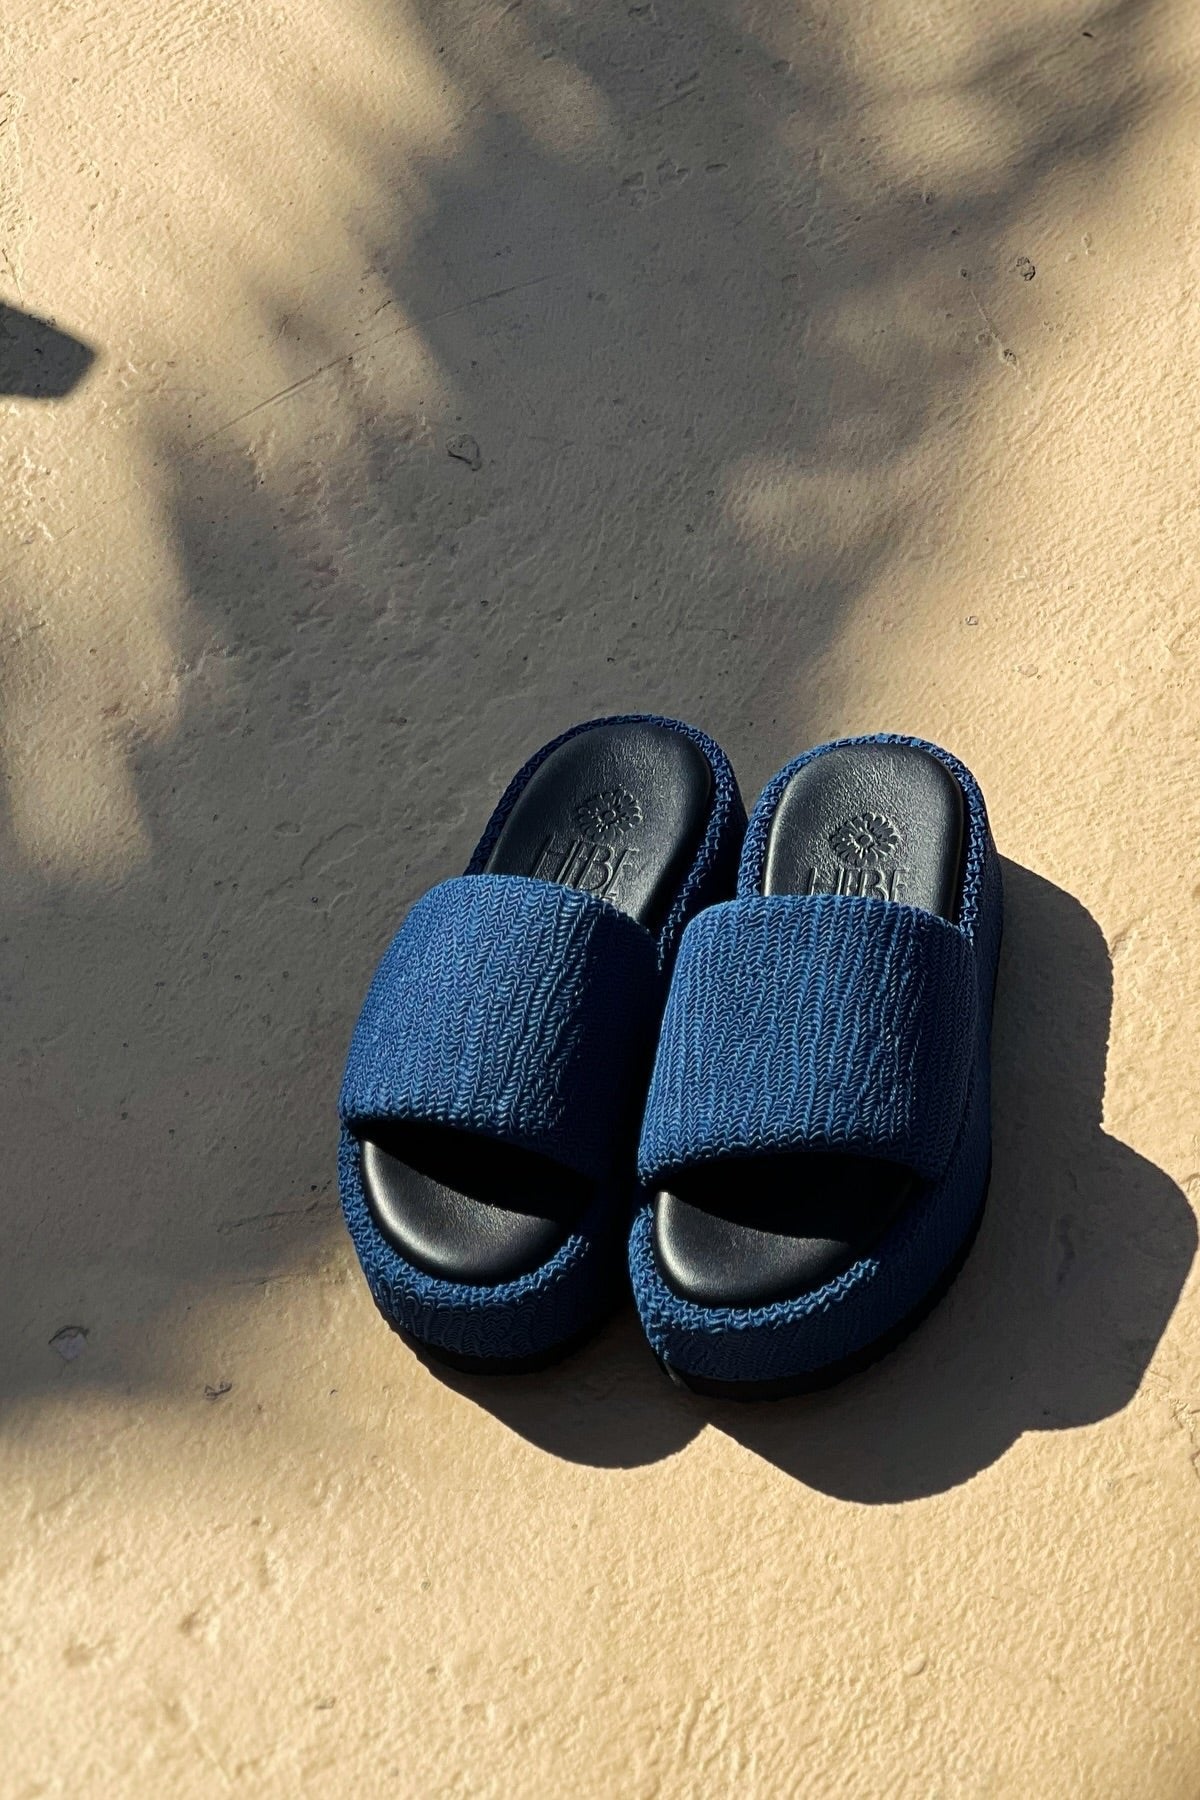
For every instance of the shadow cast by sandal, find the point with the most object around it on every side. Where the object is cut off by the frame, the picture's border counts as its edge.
(1078, 1267)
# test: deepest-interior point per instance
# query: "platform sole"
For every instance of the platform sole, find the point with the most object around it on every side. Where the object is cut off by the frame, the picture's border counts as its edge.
(811, 1381)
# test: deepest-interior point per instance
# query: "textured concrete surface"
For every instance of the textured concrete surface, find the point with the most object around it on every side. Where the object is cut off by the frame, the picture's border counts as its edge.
(386, 384)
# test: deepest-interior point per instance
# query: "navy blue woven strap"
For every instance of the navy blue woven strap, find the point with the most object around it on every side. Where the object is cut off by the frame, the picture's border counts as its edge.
(823, 1022)
(519, 1009)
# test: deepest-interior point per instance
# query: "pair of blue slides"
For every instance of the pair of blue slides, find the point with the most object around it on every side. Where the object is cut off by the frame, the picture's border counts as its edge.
(741, 1065)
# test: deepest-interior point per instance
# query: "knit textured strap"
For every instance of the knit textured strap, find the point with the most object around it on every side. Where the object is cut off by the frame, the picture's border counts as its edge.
(824, 1022)
(519, 1009)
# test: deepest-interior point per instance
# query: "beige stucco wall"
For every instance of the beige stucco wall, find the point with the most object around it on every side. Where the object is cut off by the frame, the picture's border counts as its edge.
(831, 366)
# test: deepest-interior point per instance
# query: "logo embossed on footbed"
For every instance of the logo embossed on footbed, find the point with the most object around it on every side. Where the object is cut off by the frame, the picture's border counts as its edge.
(868, 847)
(611, 813)
(867, 841)
(596, 858)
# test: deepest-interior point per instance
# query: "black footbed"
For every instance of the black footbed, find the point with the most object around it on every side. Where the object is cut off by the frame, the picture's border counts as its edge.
(618, 811)
(882, 820)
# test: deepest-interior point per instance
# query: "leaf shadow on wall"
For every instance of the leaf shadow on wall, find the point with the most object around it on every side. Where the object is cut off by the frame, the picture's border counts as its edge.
(698, 344)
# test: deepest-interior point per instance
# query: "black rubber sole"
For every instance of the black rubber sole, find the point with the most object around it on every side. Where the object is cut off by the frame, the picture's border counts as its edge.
(813, 1381)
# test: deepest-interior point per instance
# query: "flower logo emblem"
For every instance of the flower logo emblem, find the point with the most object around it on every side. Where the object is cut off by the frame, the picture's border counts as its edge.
(608, 815)
(867, 841)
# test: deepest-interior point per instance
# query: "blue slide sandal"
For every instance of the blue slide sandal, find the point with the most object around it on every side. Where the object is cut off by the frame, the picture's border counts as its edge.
(497, 1072)
(817, 1135)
